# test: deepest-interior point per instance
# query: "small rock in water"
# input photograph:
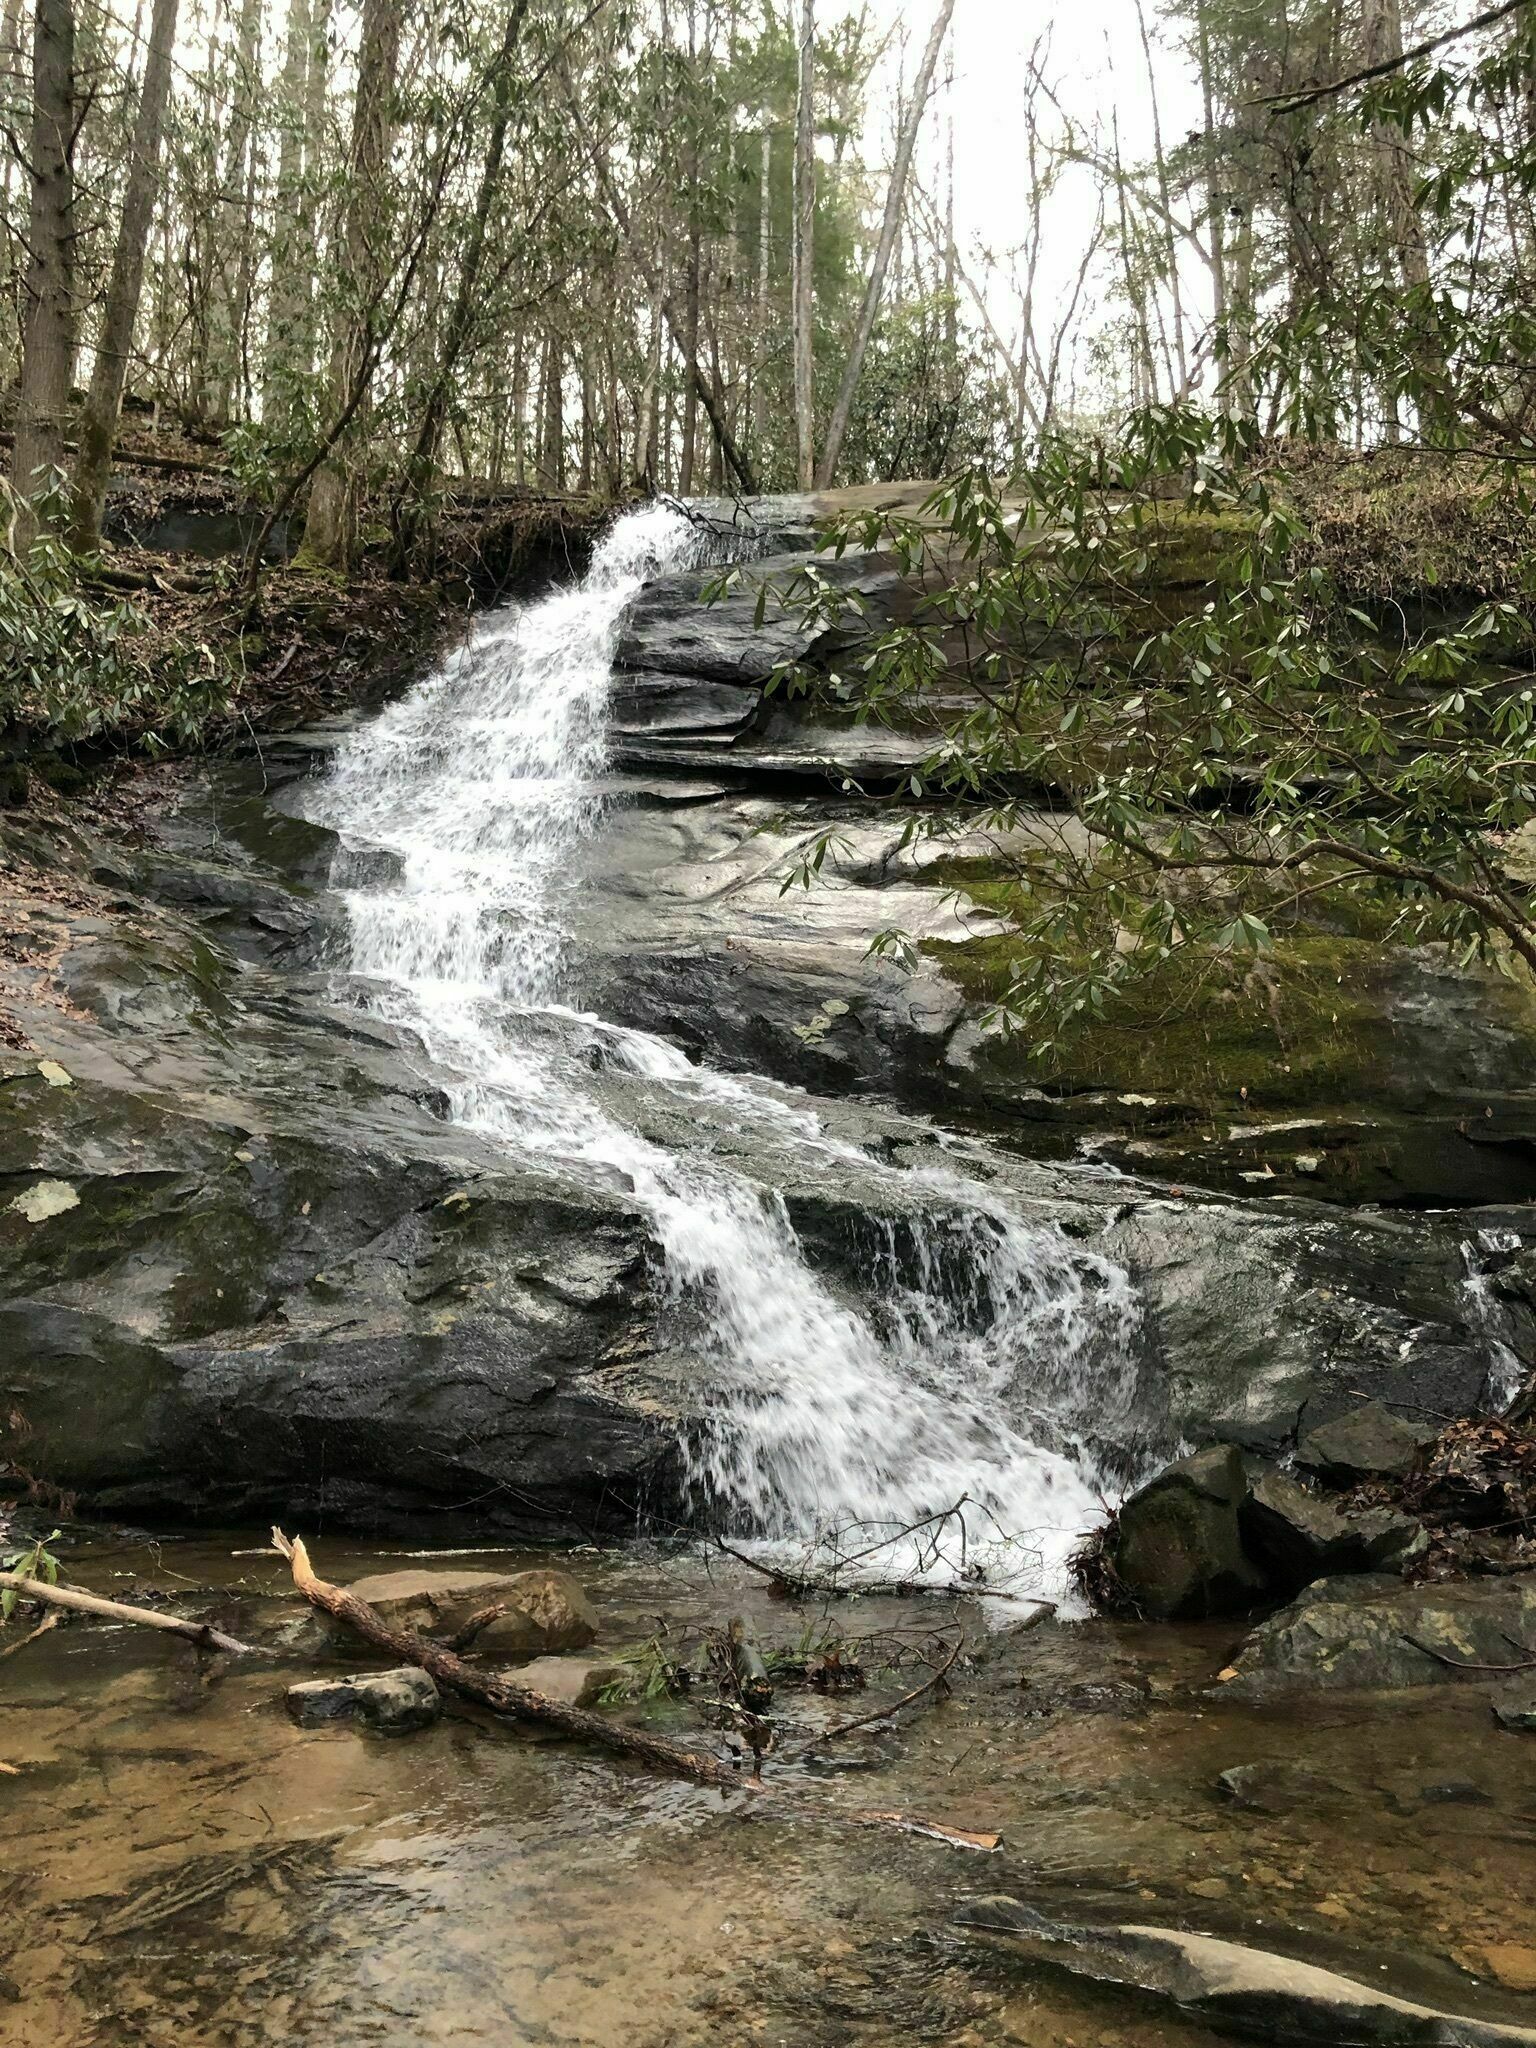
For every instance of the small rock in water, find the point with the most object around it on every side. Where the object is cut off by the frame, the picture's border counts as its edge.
(1517, 1712)
(1273, 1787)
(574, 1681)
(391, 1702)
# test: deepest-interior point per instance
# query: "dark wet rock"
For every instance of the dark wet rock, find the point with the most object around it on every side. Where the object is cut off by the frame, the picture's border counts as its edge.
(665, 707)
(670, 630)
(542, 1612)
(1237, 1989)
(1370, 1442)
(1295, 1536)
(1516, 1710)
(390, 1702)
(1275, 1787)
(1374, 1633)
(1177, 1547)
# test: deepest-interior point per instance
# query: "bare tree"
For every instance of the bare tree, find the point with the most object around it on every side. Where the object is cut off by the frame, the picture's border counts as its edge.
(895, 199)
(48, 325)
(98, 422)
(330, 527)
(804, 309)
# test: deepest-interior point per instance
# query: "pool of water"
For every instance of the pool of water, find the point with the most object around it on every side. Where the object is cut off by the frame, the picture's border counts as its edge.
(180, 1864)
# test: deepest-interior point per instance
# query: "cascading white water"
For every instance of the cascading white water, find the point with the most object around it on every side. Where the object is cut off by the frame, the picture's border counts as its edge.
(975, 1338)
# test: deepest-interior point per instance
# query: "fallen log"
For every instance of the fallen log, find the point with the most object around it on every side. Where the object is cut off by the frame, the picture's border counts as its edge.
(77, 1602)
(518, 1702)
(522, 1703)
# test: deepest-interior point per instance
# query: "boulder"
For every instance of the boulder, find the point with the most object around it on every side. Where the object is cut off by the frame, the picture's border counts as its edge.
(1375, 1633)
(390, 1702)
(1516, 1711)
(1295, 1537)
(573, 1681)
(1177, 1546)
(542, 1611)
(1234, 1988)
(1368, 1443)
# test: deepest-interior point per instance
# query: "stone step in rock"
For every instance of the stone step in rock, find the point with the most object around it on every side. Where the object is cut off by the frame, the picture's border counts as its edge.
(1248, 1992)
(543, 1611)
(390, 1702)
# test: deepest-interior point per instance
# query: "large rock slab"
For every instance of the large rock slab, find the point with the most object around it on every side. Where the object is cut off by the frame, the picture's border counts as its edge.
(1376, 1634)
(1246, 1991)
(671, 629)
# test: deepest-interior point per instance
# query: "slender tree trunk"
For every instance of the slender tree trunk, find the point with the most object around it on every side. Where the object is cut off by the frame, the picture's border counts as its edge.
(289, 295)
(103, 405)
(895, 199)
(1215, 215)
(228, 309)
(48, 333)
(804, 309)
(330, 529)
(461, 319)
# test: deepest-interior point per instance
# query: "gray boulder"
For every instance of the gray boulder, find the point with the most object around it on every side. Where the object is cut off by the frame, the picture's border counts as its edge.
(390, 1702)
(1374, 1633)
(1235, 1989)
(1368, 1443)
(1295, 1537)
(1177, 1545)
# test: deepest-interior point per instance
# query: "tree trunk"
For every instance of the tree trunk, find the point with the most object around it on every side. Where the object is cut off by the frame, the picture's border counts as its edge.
(48, 332)
(98, 423)
(895, 199)
(289, 296)
(1215, 214)
(330, 529)
(422, 461)
(228, 280)
(805, 251)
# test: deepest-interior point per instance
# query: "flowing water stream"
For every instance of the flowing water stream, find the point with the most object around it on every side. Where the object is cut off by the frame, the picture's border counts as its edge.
(979, 1351)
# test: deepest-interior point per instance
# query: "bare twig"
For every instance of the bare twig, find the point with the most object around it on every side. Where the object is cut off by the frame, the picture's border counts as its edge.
(935, 1679)
(114, 1610)
(48, 1621)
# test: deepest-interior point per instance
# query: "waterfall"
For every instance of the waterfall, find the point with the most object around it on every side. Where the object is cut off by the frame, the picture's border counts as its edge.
(979, 1351)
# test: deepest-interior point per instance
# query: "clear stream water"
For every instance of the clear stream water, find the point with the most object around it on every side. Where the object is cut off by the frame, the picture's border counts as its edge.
(822, 1411)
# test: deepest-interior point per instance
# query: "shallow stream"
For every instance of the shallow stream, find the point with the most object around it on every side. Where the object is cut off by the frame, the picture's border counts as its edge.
(180, 1864)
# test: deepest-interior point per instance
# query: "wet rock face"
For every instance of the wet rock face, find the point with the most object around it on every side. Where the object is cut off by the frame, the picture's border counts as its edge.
(248, 1264)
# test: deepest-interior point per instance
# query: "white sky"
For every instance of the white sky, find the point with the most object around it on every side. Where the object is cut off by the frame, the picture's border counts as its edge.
(1096, 64)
